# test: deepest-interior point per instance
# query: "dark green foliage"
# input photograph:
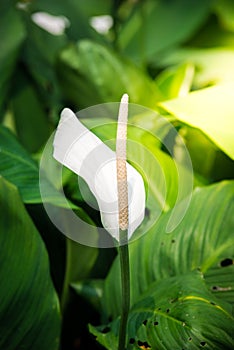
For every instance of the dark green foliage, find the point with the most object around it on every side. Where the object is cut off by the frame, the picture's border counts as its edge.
(29, 311)
(169, 56)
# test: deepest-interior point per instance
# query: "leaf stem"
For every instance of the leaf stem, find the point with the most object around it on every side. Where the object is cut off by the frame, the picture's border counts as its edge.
(125, 284)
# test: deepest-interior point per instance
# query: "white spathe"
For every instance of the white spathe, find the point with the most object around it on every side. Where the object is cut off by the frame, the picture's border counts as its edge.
(86, 155)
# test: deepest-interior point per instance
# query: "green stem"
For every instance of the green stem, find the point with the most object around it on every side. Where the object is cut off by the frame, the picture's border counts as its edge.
(67, 277)
(125, 284)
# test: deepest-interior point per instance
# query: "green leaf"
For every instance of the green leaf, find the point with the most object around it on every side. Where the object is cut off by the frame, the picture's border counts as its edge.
(29, 310)
(225, 11)
(92, 8)
(19, 168)
(13, 35)
(72, 8)
(91, 290)
(85, 85)
(32, 125)
(80, 260)
(39, 58)
(156, 26)
(175, 313)
(211, 110)
(218, 166)
(202, 240)
(176, 82)
(220, 280)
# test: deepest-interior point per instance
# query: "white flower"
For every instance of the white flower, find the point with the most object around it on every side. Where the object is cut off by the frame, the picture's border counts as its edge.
(55, 25)
(86, 155)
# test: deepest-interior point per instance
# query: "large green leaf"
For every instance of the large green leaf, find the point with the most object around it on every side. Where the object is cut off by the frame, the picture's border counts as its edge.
(176, 313)
(203, 239)
(156, 26)
(86, 73)
(18, 167)
(29, 310)
(211, 110)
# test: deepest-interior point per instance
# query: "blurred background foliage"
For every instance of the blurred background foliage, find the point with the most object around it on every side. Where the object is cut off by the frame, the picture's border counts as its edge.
(169, 56)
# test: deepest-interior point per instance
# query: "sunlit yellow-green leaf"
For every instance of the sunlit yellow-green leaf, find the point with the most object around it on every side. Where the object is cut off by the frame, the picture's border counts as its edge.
(213, 65)
(211, 110)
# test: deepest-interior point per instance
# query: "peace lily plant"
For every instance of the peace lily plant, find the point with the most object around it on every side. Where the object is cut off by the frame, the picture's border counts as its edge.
(117, 186)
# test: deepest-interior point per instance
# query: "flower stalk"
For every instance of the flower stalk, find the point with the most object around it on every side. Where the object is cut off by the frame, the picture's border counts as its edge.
(125, 286)
(122, 186)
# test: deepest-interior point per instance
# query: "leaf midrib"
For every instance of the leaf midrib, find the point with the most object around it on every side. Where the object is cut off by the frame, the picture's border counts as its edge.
(157, 312)
(20, 159)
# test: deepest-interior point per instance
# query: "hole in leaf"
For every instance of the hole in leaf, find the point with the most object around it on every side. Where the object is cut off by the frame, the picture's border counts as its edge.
(212, 303)
(226, 262)
(190, 339)
(167, 311)
(173, 300)
(220, 289)
(173, 241)
(202, 343)
(131, 341)
(159, 308)
(147, 212)
(144, 322)
(106, 330)
(156, 323)
(143, 345)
